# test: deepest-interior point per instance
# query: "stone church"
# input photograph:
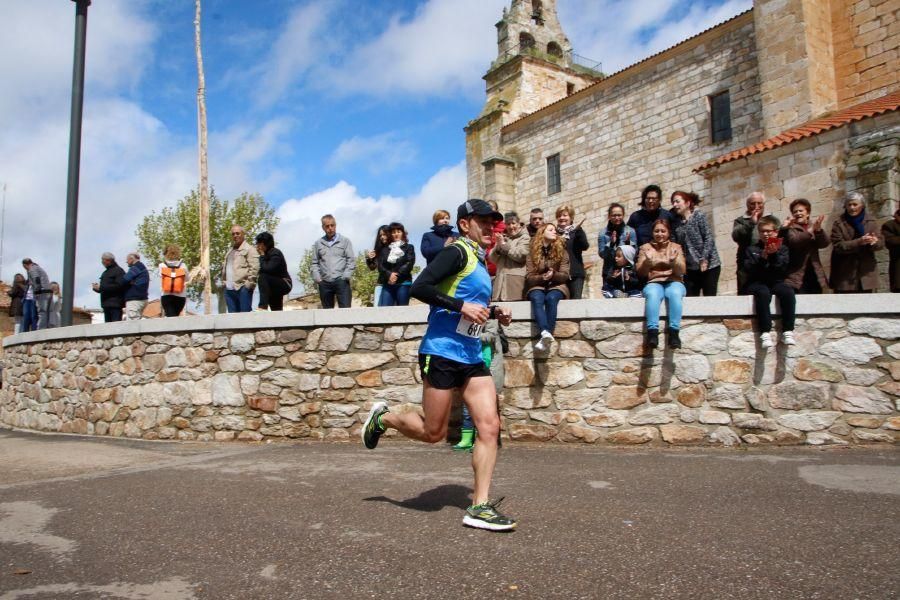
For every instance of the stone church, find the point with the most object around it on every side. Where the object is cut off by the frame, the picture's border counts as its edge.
(794, 98)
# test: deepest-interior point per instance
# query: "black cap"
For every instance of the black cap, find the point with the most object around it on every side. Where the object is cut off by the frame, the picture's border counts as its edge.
(476, 207)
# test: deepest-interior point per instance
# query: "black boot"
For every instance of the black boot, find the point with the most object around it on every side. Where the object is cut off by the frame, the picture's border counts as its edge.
(673, 338)
(653, 338)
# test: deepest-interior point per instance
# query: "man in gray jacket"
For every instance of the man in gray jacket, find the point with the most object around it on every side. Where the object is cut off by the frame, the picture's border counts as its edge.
(744, 233)
(333, 262)
(40, 287)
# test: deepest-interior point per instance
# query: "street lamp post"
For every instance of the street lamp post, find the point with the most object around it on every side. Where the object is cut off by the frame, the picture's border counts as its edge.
(81, 10)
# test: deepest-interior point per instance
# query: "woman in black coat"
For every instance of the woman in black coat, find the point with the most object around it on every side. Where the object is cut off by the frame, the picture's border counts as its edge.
(274, 280)
(395, 265)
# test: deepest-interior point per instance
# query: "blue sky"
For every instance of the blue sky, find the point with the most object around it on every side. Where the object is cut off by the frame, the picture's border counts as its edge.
(342, 106)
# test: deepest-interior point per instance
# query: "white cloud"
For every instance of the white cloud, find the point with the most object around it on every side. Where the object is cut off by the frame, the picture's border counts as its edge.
(379, 154)
(358, 216)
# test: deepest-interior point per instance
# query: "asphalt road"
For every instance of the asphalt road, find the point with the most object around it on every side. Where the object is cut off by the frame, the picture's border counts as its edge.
(91, 518)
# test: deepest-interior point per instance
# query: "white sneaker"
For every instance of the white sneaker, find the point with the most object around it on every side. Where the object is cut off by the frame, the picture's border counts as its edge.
(539, 345)
(765, 340)
(546, 337)
(788, 337)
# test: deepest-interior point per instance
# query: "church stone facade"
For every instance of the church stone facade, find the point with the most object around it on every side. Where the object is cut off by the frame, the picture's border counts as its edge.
(796, 98)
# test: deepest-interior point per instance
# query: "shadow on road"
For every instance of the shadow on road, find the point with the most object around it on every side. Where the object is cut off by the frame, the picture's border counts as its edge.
(432, 500)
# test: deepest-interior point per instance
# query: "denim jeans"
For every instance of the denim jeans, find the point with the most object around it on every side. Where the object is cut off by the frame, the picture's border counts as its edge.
(29, 316)
(339, 290)
(673, 292)
(239, 300)
(395, 295)
(543, 307)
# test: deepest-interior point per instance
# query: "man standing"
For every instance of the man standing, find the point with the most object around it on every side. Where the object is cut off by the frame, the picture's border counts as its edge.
(39, 283)
(111, 288)
(745, 233)
(137, 282)
(535, 221)
(457, 286)
(241, 269)
(333, 262)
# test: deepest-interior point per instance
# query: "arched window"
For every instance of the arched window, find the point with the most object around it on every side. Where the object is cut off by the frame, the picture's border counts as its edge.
(554, 49)
(537, 11)
(526, 41)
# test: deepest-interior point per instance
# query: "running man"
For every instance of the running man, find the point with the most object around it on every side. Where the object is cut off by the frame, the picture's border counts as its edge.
(457, 286)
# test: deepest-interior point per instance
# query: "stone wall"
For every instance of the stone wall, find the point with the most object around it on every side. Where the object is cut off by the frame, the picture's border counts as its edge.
(315, 375)
(866, 36)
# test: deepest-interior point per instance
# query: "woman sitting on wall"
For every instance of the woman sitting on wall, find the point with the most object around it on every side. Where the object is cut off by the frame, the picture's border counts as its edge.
(546, 274)
(661, 262)
(273, 280)
(804, 238)
(395, 266)
(855, 238)
(693, 234)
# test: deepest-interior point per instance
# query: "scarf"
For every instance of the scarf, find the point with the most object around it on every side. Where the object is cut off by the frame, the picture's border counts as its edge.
(480, 252)
(396, 251)
(443, 231)
(857, 223)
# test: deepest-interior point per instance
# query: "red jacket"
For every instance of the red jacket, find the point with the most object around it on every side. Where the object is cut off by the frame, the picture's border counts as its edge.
(499, 227)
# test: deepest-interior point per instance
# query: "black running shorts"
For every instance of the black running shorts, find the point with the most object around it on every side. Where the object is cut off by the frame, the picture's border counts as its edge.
(445, 374)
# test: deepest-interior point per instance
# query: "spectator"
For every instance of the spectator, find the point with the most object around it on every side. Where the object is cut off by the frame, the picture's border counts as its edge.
(40, 290)
(395, 265)
(546, 278)
(55, 305)
(111, 288)
(498, 230)
(615, 235)
(535, 221)
(382, 239)
(662, 263)
(804, 239)
(29, 310)
(693, 234)
(891, 232)
(241, 269)
(16, 294)
(622, 281)
(766, 264)
(576, 243)
(510, 254)
(441, 235)
(855, 238)
(274, 279)
(643, 219)
(744, 232)
(333, 263)
(175, 277)
(137, 287)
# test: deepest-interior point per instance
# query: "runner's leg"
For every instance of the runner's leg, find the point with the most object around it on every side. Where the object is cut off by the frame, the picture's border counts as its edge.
(433, 428)
(480, 396)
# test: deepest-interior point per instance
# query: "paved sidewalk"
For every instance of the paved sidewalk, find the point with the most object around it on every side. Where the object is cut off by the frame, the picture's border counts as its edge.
(92, 518)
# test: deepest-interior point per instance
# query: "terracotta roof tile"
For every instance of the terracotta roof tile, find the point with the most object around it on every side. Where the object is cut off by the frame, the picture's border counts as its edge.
(866, 110)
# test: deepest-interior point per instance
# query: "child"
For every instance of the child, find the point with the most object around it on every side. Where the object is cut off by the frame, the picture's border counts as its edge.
(622, 281)
(766, 264)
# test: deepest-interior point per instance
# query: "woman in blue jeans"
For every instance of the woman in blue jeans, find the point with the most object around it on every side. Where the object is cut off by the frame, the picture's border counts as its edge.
(546, 274)
(661, 262)
(395, 264)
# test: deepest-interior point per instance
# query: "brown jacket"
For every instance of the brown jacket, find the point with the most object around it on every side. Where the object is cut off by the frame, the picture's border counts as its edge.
(803, 246)
(510, 258)
(853, 264)
(655, 265)
(534, 279)
(891, 232)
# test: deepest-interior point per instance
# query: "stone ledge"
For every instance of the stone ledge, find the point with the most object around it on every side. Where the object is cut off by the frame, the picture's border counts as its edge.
(626, 308)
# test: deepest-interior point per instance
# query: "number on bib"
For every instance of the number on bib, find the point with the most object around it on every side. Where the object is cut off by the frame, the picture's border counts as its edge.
(469, 328)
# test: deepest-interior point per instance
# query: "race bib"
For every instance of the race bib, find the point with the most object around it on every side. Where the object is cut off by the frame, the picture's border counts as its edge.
(469, 328)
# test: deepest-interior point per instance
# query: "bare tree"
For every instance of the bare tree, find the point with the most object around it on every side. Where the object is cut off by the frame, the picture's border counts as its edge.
(204, 168)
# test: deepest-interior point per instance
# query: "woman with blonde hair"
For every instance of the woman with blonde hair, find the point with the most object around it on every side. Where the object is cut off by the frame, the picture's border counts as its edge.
(576, 242)
(440, 236)
(546, 277)
(175, 277)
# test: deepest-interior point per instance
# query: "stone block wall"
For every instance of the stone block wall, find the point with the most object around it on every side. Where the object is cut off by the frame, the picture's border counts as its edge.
(839, 385)
(866, 36)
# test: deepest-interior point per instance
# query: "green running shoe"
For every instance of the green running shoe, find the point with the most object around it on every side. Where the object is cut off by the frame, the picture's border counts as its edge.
(486, 516)
(371, 430)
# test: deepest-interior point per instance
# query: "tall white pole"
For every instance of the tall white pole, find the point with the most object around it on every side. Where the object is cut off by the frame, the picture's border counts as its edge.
(2, 229)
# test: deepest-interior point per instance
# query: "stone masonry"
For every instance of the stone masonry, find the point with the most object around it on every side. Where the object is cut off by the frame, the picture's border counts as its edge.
(839, 385)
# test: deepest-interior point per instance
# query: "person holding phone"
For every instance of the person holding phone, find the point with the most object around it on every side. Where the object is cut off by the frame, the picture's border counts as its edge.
(766, 264)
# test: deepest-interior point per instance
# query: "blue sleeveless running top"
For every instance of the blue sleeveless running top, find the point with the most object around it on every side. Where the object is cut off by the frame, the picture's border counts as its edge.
(449, 335)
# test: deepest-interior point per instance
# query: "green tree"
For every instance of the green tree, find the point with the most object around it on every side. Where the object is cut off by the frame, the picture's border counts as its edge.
(180, 224)
(305, 279)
